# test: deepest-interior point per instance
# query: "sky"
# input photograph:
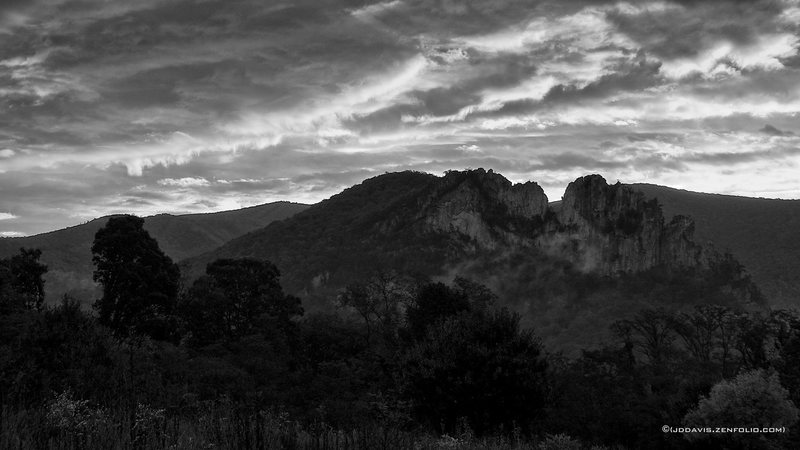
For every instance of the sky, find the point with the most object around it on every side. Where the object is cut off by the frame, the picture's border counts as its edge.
(186, 106)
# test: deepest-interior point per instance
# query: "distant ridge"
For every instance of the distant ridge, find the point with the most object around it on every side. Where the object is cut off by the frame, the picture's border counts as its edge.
(67, 252)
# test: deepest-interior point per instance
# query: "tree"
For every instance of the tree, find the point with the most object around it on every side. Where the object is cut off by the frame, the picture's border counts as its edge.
(140, 283)
(433, 303)
(60, 347)
(752, 399)
(21, 282)
(651, 331)
(464, 359)
(380, 301)
(479, 366)
(237, 297)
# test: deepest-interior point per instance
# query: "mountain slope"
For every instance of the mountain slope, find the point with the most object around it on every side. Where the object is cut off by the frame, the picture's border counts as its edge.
(338, 229)
(607, 253)
(763, 234)
(412, 220)
(67, 252)
(419, 222)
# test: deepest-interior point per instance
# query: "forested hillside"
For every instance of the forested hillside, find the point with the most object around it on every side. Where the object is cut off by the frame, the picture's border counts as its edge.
(763, 234)
(569, 274)
(67, 252)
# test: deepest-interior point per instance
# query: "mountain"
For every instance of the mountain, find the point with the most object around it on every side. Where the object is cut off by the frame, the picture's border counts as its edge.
(67, 252)
(607, 252)
(763, 234)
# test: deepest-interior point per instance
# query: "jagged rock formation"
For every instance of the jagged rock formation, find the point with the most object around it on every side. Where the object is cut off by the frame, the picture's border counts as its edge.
(483, 206)
(420, 223)
(602, 228)
(612, 229)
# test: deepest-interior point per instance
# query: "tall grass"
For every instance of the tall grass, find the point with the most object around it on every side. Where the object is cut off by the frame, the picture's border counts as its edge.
(218, 428)
(65, 423)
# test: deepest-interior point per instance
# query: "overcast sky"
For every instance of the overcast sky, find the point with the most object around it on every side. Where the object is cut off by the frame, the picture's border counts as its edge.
(180, 106)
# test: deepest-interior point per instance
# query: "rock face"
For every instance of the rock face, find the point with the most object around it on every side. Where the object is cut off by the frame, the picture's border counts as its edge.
(485, 207)
(602, 228)
(612, 229)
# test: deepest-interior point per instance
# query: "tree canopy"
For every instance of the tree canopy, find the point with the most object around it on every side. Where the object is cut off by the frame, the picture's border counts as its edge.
(21, 283)
(236, 297)
(467, 360)
(752, 399)
(140, 283)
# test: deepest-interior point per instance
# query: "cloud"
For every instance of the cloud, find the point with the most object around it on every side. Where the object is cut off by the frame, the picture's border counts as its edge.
(190, 105)
(183, 182)
(372, 11)
(7, 216)
(772, 131)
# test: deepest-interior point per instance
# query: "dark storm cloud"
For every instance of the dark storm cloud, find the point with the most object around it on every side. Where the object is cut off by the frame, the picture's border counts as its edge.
(10, 7)
(625, 76)
(489, 72)
(575, 160)
(663, 137)
(781, 85)
(732, 158)
(148, 195)
(252, 185)
(744, 121)
(793, 61)
(676, 32)
(157, 86)
(134, 202)
(457, 17)
(382, 120)
(772, 131)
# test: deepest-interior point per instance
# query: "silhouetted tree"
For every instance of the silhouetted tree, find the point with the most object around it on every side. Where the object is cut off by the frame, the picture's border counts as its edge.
(380, 302)
(597, 397)
(140, 283)
(651, 332)
(433, 303)
(479, 366)
(237, 297)
(21, 282)
(698, 331)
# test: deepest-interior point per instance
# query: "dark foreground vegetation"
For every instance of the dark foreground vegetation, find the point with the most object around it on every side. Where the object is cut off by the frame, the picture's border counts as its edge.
(234, 362)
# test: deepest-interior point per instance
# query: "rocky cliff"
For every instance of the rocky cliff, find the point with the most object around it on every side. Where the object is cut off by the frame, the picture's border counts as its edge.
(601, 228)
(485, 207)
(613, 228)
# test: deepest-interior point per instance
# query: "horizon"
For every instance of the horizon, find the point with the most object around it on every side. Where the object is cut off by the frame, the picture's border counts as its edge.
(550, 200)
(186, 107)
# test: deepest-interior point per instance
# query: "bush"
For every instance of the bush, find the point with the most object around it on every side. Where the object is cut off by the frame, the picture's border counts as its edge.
(68, 415)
